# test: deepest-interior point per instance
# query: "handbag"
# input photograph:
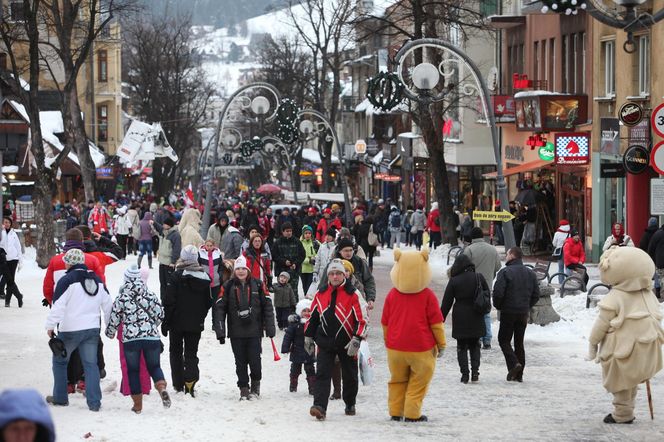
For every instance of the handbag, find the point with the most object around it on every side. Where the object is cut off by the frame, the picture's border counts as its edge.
(557, 253)
(372, 238)
(413, 230)
(482, 301)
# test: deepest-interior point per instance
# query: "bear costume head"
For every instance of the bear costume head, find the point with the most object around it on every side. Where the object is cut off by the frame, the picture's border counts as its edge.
(626, 268)
(411, 272)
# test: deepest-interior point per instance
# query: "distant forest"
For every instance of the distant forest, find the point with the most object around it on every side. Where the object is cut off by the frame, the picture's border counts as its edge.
(218, 13)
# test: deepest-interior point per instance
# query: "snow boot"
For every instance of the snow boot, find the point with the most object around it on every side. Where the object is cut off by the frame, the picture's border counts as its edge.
(515, 372)
(138, 403)
(475, 377)
(189, 388)
(19, 298)
(293, 384)
(396, 418)
(608, 419)
(160, 386)
(311, 383)
(350, 410)
(464, 378)
(317, 412)
(255, 389)
(140, 258)
(422, 418)
(244, 393)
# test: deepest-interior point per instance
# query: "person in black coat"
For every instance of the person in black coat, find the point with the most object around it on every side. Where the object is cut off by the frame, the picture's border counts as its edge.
(515, 291)
(648, 234)
(244, 304)
(361, 233)
(467, 324)
(293, 343)
(186, 303)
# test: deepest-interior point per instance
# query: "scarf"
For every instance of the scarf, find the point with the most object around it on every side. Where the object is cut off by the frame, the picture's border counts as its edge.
(73, 244)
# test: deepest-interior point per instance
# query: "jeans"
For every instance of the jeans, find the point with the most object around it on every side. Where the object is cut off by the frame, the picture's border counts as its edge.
(86, 342)
(486, 340)
(183, 349)
(513, 325)
(561, 269)
(247, 352)
(324, 365)
(151, 349)
(145, 247)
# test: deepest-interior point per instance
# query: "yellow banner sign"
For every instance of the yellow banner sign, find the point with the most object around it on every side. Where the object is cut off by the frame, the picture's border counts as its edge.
(503, 216)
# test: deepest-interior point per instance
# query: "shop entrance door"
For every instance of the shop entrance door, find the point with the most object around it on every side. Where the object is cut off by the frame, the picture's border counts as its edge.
(571, 202)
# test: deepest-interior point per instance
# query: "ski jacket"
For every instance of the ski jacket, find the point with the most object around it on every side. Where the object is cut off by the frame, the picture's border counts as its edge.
(77, 300)
(11, 244)
(106, 251)
(251, 297)
(56, 270)
(145, 227)
(212, 263)
(138, 310)
(284, 296)
(311, 248)
(293, 342)
(516, 288)
(324, 224)
(336, 316)
(231, 243)
(186, 300)
(121, 225)
(431, 221)
(362, 273)
(574, 252)
(170, 246)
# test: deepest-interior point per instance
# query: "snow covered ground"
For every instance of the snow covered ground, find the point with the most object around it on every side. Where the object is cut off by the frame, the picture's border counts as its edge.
(561, 397)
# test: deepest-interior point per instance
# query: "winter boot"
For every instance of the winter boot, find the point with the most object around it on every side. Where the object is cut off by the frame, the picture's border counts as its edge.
(19, 298)
(244, 393)
(293, 383)
(515, 372)
(150, 261)
(140, 258)
(160, 386)
(317, 412)
(475, 377)
(422, 418)
(138, 403)
(311, 383)
(464, 378)
(255, 388)
(189, 388)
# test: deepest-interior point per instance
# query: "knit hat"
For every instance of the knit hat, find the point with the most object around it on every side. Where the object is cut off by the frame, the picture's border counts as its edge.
(304, 303)
(240, 263)
(336, 265)
(285, 275)
(132, 273)
(574, 232)
(564, 222)
(74, 257)
(343, 243)
(348, 266)
(652, 222)
(189, 253)
(327, 211)
(307, 227)
(331, 232)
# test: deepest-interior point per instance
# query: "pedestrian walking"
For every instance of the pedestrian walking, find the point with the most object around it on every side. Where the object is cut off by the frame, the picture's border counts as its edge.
(311, 247)
(170, 246)
(433, 226)
(361, 234)
(419, 221)
(288, 255)
(395, 226)
(325, 254)
(284, 299)
(656, 252)
(258, 259)
(140, 313)
(145, 239)
(293, 344)
(11, 257)
(244, 312)
(468, 326)
(648, 234)
(515, 291)
(122, 229)
(627, 337)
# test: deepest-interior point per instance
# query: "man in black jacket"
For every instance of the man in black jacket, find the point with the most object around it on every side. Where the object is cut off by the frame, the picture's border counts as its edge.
(288, 255)
(245, 304)
(656, 252)
(514, 292)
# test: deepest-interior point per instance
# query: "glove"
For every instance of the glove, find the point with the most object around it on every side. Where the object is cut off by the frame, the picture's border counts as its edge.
(592, 352)
(45, 302)
(353, 347)
(164, 329)
(441, 352)
(309, 345)
(222, 341)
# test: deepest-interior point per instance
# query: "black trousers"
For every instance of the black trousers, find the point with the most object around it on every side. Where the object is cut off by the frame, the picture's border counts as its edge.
(122, 242)
(164, 273)
(282, 316)
(296, 369)
(513, 325)
(8, 269)
(324, 366)
(307, 279)
(183, 349)
(247, 352)
(464, 346)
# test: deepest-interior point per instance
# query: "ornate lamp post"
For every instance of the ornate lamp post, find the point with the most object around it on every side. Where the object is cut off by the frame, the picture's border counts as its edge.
(251, 99)
(421, 87)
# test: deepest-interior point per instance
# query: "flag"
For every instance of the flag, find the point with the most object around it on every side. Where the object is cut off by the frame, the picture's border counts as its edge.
(189, 197)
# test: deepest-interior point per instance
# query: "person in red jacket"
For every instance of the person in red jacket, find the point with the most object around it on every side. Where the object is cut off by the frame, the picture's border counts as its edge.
(574, 253)
(106, 251)
(99, 219)
(337, 326)
(325, 223)
(433, 225)
(258, 261)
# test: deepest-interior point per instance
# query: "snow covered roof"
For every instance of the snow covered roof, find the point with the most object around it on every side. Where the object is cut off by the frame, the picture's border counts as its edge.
(313, 156)
(20, 109)
(524, 94)
(51, 124)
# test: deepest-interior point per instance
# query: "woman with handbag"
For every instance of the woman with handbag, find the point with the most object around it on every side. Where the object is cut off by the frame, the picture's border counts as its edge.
(367, 239)
(467, 321)
(419, 223)
(558, 242)
(140, 313)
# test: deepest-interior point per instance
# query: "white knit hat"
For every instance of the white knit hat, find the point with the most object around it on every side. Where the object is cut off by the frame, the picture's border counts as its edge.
(336, 265)
(304, 303)
(132, 273)
(74, 257)
(240, 263)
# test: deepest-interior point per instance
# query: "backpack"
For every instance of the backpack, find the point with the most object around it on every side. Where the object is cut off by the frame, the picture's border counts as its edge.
(395, 220)
(482, 301)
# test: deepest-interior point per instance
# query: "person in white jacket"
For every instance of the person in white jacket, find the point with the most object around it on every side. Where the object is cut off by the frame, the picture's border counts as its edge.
(618, 237)
(325, 253)
(558, 241)
(79, 300)
(122, 228)
(11, 257)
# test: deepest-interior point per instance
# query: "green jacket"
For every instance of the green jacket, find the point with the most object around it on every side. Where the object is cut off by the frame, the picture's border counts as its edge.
(310, 251)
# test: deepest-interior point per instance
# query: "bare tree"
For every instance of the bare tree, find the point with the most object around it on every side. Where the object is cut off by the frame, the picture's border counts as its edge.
(324, 28)
(168, 85)
(21, 38)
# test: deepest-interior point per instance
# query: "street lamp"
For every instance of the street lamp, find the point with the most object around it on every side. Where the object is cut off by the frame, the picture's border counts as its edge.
(425, 76)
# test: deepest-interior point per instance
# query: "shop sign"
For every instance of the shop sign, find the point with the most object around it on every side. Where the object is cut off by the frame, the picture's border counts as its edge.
(503, 108)
(610, 135)
(104, 173)
(639, 134)
(657, 120)
(503, 216)
(657, 196)
(387, 177)
(360, 147)
(611, 170)
(547, 152)
(630, 114)
(572, 148)
(636, 159)
(657, 158)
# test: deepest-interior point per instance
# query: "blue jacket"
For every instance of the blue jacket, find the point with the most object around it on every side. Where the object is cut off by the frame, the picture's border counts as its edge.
(293, 342)
(27, 404)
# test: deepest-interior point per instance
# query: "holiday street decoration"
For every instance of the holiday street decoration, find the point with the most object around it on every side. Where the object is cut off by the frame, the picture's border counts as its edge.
(567, 7)
(385, 90)
(287, 116)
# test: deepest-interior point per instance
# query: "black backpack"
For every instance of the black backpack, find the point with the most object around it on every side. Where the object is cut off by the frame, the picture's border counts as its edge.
(395, 220)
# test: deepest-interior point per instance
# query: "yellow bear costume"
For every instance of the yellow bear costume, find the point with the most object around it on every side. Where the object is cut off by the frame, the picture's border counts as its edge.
(413, 332)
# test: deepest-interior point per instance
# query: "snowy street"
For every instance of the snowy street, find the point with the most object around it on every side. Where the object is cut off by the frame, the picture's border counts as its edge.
(561, 398)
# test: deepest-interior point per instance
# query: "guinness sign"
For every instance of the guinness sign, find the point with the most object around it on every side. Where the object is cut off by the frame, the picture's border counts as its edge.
(636, 159)
(630, 114)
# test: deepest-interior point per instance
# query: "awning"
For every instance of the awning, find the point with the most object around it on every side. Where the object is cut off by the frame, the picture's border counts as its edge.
(525, 167)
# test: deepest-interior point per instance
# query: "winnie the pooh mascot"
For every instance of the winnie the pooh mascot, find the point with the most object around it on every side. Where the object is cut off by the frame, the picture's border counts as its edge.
(628, 329)
(413, 332)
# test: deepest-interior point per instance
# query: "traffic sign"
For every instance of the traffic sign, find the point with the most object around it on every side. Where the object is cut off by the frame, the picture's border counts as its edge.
(503, 216)
(657, 120)
(657, 158)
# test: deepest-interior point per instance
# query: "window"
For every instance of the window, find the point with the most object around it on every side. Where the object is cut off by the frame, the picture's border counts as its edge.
(17, 11)
(552, 65)
(575, 62)
(583, 63)
(644, 65)
(565, 64)
(102, 66)
(609, 52)
(536, 67)
(102, 123)
(488, 8)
